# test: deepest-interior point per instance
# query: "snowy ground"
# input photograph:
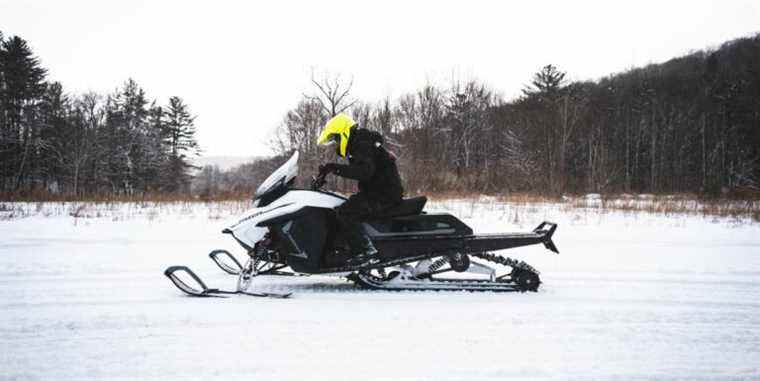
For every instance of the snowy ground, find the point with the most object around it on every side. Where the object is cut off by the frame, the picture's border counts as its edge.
(632, 296)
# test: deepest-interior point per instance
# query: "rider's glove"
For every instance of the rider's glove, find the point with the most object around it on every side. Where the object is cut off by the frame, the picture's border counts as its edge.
(328, 168)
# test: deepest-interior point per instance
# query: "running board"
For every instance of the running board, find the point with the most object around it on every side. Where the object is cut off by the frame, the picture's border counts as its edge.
(201, 290)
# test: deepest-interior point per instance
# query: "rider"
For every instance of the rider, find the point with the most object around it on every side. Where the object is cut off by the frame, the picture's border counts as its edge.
(375, 169)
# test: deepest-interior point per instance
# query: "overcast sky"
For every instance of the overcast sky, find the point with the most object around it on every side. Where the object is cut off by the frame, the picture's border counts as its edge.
(241, 65)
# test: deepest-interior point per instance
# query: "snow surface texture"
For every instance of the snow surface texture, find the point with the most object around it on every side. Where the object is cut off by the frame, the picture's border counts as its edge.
(632, 296)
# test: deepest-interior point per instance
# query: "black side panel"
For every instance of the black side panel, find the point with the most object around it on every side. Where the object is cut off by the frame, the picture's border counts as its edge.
(418, 235)
(303, 238)
(392, 248)
(426, 224)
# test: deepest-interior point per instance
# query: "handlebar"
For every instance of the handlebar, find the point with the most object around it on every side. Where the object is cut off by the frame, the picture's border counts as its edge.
(318, 181)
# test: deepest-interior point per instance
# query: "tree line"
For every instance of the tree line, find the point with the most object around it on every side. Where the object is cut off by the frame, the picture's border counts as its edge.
(52, 142)
(691, 124)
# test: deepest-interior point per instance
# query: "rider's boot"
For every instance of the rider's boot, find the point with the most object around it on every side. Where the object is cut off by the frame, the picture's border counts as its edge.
(364, 251)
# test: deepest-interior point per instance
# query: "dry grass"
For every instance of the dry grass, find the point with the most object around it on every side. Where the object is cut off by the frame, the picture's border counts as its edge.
(123, 210)
(667, 205)
(118, 206)
(153, 206)
(142, 197)
(518, 198)
(676, 205)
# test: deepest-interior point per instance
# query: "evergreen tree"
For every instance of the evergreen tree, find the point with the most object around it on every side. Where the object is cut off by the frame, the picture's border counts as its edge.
(115, 152)
(22, 87)
(3, 127)
(5, 135)
(126, 138)
(58, 137)
(180, 142)
(156, 155)
(134, 113)
(547, 81)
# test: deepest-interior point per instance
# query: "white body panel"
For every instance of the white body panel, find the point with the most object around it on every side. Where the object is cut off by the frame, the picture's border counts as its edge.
(245, 228)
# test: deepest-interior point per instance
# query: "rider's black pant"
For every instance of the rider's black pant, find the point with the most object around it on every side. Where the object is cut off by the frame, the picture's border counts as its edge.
(359, 207)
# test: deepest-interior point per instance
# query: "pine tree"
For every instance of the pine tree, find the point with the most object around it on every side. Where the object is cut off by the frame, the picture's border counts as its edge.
(2, 92)
(126, 136)
(179, 140)
(547, 81)
(23, 84)
(58, 139)
(156, 155)
(545, 98)
(5, 138)
(134, 113)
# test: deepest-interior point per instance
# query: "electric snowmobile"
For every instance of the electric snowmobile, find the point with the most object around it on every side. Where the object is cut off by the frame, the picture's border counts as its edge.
(293, 231)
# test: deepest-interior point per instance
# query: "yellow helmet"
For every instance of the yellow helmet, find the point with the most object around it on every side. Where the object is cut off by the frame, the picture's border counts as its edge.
(337, 130)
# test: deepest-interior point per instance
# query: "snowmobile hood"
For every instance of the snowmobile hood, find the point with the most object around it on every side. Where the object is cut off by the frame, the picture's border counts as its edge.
(251, 225)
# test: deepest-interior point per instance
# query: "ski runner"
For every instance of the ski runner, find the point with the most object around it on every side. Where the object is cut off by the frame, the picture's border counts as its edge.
(379, 181)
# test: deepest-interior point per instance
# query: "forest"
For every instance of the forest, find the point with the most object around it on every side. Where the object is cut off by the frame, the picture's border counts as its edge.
(55, 143)
(688, 125)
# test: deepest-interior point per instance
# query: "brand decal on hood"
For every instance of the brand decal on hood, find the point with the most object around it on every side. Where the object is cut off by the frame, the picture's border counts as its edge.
(254, 215)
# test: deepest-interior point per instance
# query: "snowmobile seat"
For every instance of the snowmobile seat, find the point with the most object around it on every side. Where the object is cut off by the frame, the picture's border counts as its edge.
(407, 207)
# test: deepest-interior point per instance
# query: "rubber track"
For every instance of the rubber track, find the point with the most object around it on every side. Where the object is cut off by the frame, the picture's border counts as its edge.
(434, 284)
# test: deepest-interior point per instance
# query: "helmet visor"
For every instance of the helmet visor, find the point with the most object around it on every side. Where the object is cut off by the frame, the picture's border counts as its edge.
(333, 139)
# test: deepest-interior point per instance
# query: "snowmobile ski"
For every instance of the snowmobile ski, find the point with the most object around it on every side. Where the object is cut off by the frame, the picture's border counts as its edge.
(204, 291)
(232, 266)
(222, 259)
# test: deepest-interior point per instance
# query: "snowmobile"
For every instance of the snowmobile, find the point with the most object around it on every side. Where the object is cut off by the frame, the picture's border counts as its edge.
(293, 231)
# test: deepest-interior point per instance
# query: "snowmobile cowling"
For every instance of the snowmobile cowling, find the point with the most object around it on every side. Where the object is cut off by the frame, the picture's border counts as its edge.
(293, 231)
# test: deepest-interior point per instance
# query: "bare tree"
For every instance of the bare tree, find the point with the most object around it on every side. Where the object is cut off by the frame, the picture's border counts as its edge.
(333, 94)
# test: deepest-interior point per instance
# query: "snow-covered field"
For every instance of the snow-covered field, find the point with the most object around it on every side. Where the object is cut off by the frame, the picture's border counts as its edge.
(632, 296)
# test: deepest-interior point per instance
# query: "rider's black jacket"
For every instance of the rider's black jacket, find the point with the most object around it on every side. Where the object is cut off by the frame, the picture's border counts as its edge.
(373, 166)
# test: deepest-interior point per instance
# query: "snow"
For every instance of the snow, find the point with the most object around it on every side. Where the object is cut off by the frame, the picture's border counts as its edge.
(631, 296)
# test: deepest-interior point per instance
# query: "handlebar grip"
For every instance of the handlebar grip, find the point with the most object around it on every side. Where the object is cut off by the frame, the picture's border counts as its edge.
(317, 182)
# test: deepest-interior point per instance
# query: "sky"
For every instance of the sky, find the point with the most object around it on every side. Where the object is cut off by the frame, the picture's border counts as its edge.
(241, 65)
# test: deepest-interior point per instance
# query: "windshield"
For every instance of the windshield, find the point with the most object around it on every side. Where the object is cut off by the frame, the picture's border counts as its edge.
(281, 176)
